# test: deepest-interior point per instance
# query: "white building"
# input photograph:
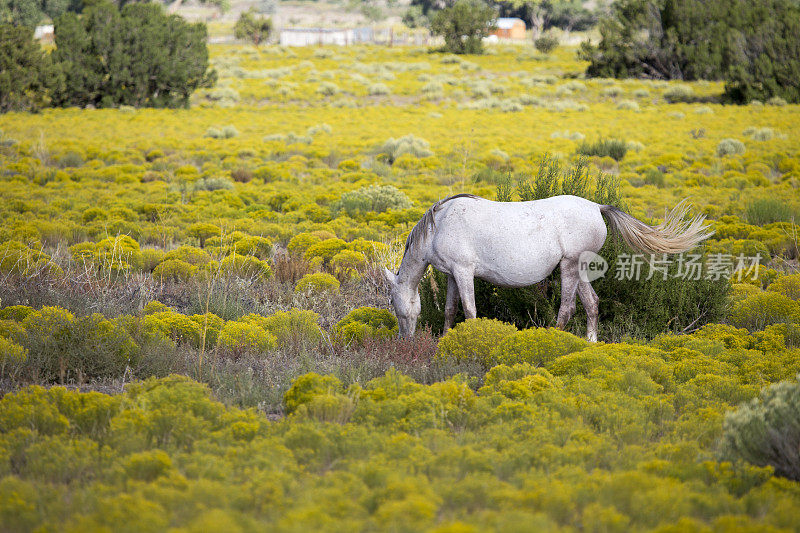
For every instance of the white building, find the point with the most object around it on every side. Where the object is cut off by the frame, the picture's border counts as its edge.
(322, 36)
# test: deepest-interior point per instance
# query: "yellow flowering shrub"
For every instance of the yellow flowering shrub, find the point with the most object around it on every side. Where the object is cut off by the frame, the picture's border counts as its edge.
(537, 346)
(474, 341)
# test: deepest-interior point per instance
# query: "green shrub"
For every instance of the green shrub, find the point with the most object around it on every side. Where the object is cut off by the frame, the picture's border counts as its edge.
(259, 247)
(766, 430)
(325, 250)
(378, 89)
(377, 198)
(679, 93)
(730, 147)
(151, 257)
(327, 88)
(537, 346)
(236, 338)
(210, 326)
(119, 253)
(365, 322)
(347, 264)
(245, 267)
(180, 328)
(788, 285)
(613, 148)
(301, 242)
(474, 341)
(410, 145)
(155, 307)
(546, 43)
(308, 386)
(17, 313)
(252, 27)
(188, 254)
(762, 309)
(317, 283)
(174, 270)
(294, 325)
(11, 353)
(761, 211)
(61, 346)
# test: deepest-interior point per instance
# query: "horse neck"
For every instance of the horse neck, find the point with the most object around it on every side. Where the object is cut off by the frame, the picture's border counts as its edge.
(412, 268)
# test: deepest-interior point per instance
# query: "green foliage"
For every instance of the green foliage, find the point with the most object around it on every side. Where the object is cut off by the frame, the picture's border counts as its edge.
(15, 312)
(348, 263)
(752, 46)
(138, 56)
(178, 327)
(537, 346)
(174, 270)
(762, 309)
(546, 43)
(766, 430)
(788, 286)
(306, 387)
(189, 254)
(730, 147)
(365, 322)
(203, 231)
(294, 325)
(245, 267)
(408, 145)
(761, 211)
(474, 341)
(317, 283)
(376, 198)
(26, 72)
(251, 27)
(613, 148)
(61, 346)
(258, 247)
(765, 59)
(464, 25)
(11, 353)
(239, 337)
(679, 93)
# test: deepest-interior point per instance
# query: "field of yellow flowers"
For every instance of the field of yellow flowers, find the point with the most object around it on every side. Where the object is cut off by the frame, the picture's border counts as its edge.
(214, 273)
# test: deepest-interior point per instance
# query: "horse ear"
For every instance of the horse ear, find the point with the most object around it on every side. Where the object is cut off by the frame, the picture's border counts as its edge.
(389, 275)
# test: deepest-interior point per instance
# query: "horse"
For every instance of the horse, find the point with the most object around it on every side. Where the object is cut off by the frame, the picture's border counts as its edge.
(517, 244)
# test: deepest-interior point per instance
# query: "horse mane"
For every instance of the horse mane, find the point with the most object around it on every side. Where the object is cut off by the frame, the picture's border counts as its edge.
(428, 221)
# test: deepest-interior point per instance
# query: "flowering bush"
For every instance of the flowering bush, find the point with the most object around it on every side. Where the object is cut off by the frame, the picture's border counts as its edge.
(366, 322)
(317, 283)
(474, 340)
(537, 346)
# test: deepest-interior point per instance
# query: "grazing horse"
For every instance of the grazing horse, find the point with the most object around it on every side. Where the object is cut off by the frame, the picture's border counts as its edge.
(516, 244)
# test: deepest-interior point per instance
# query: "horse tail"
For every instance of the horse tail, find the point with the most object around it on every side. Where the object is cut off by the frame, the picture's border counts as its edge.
(673, 235)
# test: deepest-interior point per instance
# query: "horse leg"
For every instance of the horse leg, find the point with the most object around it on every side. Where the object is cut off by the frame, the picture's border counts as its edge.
(569, 286)
(592, 305)
(466, 289)
(451, 305)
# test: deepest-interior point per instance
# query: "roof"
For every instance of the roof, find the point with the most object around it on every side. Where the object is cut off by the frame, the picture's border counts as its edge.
(508, 23)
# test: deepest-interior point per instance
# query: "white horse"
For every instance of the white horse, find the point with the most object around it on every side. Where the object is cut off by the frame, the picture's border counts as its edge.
(516, 244)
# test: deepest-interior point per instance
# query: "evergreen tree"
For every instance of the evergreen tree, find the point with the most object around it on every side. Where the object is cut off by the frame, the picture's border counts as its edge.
(25, 71)
(252, 27)
(139, 56)
(752, 45)
(464, 25)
